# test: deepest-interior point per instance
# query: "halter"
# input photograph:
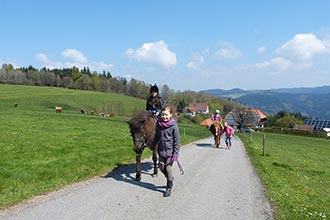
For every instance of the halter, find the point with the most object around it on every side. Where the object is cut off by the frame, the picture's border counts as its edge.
(143, 137)
(141, 140)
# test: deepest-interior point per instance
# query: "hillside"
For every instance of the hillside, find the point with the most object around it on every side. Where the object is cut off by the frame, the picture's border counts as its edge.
(311, 105)
(41, 150)
(44, 99)
(311, 102)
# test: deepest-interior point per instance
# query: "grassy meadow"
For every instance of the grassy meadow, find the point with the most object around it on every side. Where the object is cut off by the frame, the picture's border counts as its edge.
(41, 150)
(295, 172)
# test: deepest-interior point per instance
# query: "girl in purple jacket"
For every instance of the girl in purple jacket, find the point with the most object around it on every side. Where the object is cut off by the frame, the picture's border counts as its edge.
(168, 139)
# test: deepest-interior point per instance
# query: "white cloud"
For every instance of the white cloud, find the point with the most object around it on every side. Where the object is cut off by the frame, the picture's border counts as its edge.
(227, 51)
(261, 50)
(75, 55)
(278, 64)
(100, 66)
(155, 52)
(80, 61)
(195, 63)
(302, 47)
(42, 58)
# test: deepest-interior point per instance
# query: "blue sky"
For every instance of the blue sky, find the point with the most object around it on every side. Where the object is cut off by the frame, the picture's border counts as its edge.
(188, 45)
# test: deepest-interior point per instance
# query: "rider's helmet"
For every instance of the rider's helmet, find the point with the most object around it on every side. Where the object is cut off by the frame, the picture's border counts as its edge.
(154, 88)
(217, 111)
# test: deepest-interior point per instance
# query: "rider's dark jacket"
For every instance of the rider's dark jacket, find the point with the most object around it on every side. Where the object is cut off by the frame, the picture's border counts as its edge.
(154, 104)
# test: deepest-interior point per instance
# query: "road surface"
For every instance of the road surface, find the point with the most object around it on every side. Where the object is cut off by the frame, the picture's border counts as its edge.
(217, 184)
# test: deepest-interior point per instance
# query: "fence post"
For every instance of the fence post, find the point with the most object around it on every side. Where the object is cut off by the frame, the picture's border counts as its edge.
(264, 145)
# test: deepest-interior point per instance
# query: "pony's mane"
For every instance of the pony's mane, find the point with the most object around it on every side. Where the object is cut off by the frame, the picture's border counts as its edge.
(215, 125)
(138, 119)
(143, 122)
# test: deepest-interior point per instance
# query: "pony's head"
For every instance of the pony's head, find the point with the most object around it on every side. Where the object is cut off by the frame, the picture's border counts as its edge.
(142, 128)
(216, 128)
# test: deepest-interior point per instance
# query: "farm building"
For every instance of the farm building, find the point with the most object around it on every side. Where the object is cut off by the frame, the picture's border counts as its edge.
(309, 128)
(250, 117)
(190, 112)
(318, 124)
(327, 131)
(200, 108)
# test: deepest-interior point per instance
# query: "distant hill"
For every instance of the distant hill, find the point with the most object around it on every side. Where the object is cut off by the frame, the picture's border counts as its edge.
(311, 102)
(304, 90)
(233, 93)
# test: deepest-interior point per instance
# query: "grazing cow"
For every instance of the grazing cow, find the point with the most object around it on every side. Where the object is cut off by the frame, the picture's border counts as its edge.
(15, 104)
(92, 112)
(108, 115)
(58, 109)
(83, 111)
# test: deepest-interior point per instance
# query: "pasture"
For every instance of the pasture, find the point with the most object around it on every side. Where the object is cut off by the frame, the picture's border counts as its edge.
(41, 150)
(295, 172)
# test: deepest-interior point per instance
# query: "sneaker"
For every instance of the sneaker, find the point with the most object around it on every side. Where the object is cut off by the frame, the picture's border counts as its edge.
(167, 192)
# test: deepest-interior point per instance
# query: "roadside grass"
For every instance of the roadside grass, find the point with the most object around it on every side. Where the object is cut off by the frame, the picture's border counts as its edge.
(295, 172)
(41, 150)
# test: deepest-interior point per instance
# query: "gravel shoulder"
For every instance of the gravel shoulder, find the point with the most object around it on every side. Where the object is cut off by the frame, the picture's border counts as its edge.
(217, 184)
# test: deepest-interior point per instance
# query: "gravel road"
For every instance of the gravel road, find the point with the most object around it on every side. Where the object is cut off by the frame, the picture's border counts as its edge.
(217, 184)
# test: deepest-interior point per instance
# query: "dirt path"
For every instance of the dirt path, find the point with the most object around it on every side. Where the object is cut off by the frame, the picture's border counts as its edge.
(217, 184)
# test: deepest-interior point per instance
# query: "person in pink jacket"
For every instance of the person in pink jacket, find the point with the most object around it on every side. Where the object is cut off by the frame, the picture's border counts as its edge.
(229, 131)
(216, 116)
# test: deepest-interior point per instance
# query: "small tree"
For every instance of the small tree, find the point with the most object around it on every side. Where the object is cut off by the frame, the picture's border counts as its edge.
(288, 121)
(244, 117)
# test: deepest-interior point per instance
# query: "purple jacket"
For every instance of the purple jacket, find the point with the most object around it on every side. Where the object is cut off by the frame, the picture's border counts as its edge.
(168, 138)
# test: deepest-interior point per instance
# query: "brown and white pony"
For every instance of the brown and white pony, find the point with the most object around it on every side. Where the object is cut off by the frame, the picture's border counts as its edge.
(216, 129)
(143, 128)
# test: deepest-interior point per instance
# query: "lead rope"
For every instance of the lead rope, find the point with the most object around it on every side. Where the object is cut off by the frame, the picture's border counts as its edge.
(180, 167)
(178, 163)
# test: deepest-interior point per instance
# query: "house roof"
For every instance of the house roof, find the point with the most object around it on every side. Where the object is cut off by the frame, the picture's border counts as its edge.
(319, 124)
(202, 106)
(190, 110)
(259, 117)
(326, 129)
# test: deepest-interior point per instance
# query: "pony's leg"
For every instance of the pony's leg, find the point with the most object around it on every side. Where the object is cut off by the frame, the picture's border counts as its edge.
(155, 160)
(138, 167)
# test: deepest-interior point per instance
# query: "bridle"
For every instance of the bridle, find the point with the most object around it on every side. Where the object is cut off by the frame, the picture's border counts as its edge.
(141, 141)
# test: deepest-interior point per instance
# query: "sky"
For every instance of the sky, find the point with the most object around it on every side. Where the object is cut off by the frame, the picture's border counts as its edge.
(187, 45)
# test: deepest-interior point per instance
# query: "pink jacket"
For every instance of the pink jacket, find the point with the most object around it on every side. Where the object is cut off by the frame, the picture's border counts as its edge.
(216, 118)
(228, 130)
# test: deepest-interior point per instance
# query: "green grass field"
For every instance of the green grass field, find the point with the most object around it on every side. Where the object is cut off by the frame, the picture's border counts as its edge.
(295, 172)
(41, 150)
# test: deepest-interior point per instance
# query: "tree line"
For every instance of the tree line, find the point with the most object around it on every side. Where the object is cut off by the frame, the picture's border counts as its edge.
(72, 78)
(84, 79)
